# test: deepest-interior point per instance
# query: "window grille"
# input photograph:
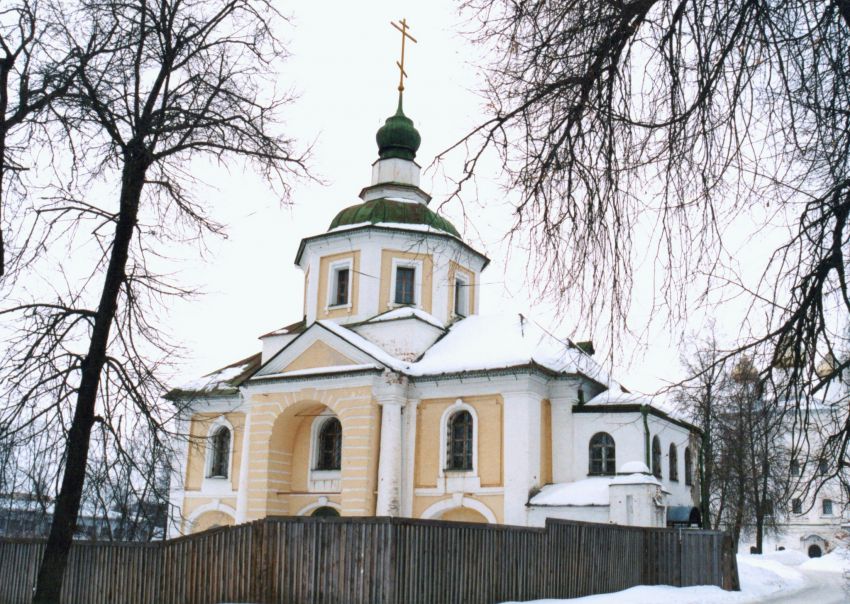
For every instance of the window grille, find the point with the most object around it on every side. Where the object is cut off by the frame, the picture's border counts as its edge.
(459, 441)
(329, 446)
(405, 277)
(602, 454)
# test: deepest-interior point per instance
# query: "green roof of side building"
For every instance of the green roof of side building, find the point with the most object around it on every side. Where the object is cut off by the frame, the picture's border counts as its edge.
(388, 210)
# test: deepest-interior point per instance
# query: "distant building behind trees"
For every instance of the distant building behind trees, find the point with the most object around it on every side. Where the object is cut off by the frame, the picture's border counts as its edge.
(774, 475)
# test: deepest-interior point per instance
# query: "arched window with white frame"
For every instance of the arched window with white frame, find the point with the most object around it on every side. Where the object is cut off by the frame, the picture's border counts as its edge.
(329, 445)
(219, 453)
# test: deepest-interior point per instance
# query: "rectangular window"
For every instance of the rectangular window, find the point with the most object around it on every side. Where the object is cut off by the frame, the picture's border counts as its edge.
(796, 506)
(405, 278)
(827, 507)
(341, 282)
(823, 467)
(795, 467)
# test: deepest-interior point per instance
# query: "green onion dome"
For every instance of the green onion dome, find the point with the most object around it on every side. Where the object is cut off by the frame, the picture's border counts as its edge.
(397, 137)
(389, 210)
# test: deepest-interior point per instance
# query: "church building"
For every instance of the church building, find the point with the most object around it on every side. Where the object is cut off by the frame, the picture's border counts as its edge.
(392, 396)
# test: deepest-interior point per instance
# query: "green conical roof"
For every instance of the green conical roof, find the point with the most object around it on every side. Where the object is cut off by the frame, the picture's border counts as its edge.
(397, 137)
(388, 210)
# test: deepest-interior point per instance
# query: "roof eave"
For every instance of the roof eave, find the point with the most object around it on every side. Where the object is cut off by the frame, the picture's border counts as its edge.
(435, 233)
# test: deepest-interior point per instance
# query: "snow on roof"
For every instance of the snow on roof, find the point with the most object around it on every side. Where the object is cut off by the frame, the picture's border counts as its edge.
(589, 491)
(221, 380)
(636, 479)
(403, 226)
(319, 370)
(405, 312)
(616, 396)
(373, 350)
(634, 467)
(476, 343)
(482, 342)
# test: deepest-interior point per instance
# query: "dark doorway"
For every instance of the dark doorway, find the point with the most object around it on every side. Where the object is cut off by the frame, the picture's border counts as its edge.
(815, 551)
(325, 512)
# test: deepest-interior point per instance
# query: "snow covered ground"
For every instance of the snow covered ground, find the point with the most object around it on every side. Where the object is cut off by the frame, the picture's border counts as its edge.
(786, 576)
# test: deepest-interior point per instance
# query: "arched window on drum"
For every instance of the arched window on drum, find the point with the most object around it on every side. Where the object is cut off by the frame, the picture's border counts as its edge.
(603, 460)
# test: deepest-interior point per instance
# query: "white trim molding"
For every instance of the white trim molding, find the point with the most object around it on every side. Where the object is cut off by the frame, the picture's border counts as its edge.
(323, 481)
(418, 276)
(333, 269)
(218, 485)
(458, 480)
(213, 506)
(436, 510)
(465, 298)
(322, 502)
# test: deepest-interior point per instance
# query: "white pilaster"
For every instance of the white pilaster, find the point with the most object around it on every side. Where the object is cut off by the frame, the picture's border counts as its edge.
(562, 397)
(521, 447)
(178, 480)
(242, 493)
(391, 396)
(409, 455)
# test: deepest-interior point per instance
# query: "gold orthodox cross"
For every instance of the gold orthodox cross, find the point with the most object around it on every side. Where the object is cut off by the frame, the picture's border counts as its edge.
(404, 35)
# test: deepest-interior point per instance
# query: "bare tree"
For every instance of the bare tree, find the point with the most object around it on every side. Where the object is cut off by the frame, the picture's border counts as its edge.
(179, 79)
(680, 119)
(35, 71)
(745, 482)
(701, 400)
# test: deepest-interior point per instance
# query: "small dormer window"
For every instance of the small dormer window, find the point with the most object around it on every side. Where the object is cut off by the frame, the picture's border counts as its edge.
(405, 280)
(339, 284)
(341, 281)
(461, 297)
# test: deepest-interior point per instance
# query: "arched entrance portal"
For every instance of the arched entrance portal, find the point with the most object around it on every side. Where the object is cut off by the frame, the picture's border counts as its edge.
(325, 512)
(305, 453)
(815, 551)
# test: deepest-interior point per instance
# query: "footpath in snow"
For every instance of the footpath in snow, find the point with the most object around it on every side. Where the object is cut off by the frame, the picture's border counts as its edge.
(775, 577)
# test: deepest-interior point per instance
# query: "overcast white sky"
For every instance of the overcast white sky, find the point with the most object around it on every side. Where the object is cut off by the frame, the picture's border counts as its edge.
(343, 68)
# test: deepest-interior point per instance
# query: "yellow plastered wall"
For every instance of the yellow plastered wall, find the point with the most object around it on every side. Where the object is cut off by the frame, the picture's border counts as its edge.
(211, 519)
(428, 432)
(318, 354)
(279, 450)
(464, 515)
(545, 442)
(301, 453)
(322, 310)
(427, 277)
(198, 430)
(190, 504)
(455, 268)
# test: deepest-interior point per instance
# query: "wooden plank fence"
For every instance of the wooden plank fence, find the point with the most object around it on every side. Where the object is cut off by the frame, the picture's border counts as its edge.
(377, 560)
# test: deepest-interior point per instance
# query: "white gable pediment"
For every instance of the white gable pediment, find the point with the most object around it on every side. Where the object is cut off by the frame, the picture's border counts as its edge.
(316, 348)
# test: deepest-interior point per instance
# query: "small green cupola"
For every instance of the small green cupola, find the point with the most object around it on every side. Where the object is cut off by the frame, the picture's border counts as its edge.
(397, 138)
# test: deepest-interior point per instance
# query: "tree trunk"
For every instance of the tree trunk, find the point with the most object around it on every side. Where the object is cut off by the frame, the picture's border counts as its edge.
(50, 574)
(5, 66)
(707, 475)
(739, 513)
(759, 531)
